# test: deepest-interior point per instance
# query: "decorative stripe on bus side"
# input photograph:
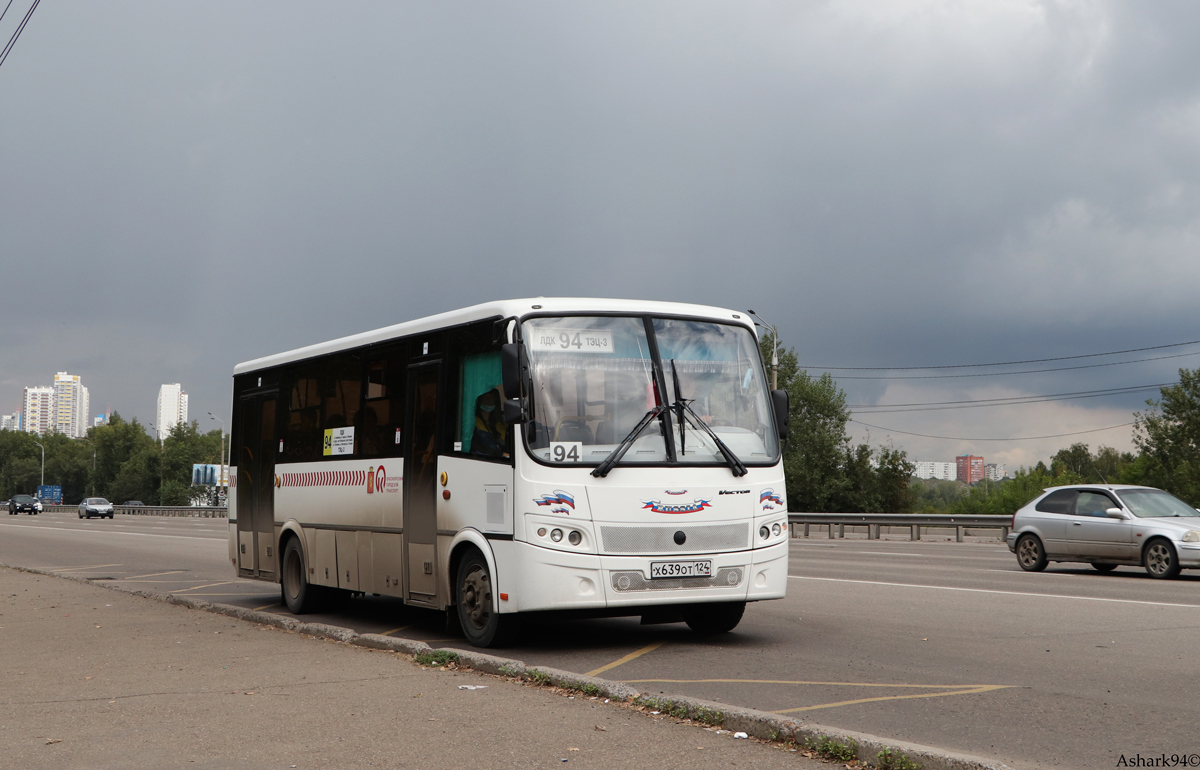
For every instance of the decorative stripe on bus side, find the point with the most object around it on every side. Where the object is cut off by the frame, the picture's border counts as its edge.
(324, 479)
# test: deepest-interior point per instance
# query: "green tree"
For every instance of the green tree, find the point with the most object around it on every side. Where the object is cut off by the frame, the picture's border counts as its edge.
(1168, 436)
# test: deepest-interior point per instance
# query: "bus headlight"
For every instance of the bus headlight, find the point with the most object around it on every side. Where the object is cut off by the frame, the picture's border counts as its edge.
(556, 535)
(541, 531)
(574, 538)
(776, 529)
(763, 532)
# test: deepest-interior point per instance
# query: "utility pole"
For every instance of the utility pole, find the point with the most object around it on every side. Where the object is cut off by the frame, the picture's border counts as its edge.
(43, 482)
(774, 348)
(221, 470)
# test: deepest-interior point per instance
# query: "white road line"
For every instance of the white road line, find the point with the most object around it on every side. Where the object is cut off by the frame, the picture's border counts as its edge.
(886, 553)
(125, 534)
(991, 591)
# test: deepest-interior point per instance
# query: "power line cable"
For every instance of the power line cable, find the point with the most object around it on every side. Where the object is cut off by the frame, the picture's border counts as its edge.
(10, 2)
(1003, 363)
(20, 28)
(1013, 398)
(1018, 401)
(1023, 371)
(1012, 438)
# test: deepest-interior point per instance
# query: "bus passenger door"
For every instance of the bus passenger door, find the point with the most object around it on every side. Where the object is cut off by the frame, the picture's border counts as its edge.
(256, 487)
(420, 484)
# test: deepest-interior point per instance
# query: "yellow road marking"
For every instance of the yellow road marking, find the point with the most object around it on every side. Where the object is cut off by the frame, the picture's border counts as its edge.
(626, 659)
(981, 688)
(791, 681)
(155, 574)
(394, 630)
(960, 689)
(76, 569)
(257, 609)
(210, 585)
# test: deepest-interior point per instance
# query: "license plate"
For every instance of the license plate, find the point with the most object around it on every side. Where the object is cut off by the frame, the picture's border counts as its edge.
(674, 569)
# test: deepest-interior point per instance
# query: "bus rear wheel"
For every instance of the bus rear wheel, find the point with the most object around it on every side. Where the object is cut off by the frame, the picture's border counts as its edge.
(714, 618)
(299, 595)
(481, 624)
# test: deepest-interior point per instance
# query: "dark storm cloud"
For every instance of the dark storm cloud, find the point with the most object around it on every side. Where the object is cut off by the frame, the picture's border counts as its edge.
(901, 183)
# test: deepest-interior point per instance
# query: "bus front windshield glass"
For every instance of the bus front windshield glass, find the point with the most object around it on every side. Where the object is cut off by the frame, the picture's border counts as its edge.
(594, 381)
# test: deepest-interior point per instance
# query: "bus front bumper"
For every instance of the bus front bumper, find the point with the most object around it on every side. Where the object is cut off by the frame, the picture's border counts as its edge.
(560, 580)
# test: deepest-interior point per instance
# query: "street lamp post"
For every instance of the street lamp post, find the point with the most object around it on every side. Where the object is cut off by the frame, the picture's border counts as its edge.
(774, 349)
(43, 482)
(221, 469)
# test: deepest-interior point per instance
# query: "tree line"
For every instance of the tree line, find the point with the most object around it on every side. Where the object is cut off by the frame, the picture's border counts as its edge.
(826, 473)
(118, 461)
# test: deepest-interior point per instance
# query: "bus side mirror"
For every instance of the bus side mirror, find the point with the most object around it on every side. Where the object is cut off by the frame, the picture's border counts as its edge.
(514, 410)
(512, 376)
(510, 369)
(779, 400)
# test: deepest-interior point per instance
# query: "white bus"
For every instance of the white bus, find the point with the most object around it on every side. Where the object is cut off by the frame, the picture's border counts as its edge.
(591, 457)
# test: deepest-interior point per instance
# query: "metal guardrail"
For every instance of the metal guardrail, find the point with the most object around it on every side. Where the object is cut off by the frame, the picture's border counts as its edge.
(185, 511)
(914, 522)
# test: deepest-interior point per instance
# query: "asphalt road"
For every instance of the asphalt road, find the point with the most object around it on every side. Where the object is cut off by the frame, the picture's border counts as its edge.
(939, 643)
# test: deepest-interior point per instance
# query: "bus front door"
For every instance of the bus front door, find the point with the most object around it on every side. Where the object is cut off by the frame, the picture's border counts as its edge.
(256, 487)
(420, 485)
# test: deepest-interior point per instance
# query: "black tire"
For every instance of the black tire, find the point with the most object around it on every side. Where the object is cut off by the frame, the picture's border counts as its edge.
(81, 514)
(714, 618)
(110, 515)
(1100, 566)
(1160, 559)
(298, 594)
(481, 624)
(1030, 554)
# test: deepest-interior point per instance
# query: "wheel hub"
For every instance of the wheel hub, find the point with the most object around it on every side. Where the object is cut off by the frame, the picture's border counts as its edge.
(477, 597)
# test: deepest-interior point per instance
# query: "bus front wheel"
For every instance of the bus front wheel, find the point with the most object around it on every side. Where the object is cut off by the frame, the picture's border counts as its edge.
(299, 595)
(481, 624)
(714, 618)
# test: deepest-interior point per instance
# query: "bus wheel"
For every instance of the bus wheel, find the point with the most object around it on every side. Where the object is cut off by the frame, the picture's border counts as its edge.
(714, 618)
(481, 624)
(298, 594)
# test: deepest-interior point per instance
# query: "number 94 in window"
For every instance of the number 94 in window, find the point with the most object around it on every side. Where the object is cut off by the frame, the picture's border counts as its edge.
(566, 451)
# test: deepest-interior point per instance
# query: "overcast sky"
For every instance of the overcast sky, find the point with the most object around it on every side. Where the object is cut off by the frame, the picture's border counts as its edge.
(184, 186)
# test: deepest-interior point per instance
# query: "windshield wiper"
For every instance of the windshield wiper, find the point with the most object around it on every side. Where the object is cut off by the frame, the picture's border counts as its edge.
(682, 408)
(615, 456)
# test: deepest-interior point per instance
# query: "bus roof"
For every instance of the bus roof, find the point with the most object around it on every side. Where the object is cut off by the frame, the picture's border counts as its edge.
(503, 309)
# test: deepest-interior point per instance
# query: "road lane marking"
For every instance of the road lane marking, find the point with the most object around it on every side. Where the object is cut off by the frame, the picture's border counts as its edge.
(626, 659)
(266, 606)
(993, 591)
(394, 630)
(155, 574)
(889, 553)
(972, 691)
(123, 534)
(210, 585)
(960, 689)
(76, 569)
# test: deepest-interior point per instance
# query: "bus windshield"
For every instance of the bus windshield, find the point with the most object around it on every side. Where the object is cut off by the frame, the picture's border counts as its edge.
(594, 379)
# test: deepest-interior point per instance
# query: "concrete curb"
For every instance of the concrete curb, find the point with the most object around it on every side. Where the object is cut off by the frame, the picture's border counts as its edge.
(763, 725)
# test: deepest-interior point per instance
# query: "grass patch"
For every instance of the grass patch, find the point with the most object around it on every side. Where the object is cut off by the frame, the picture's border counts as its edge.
(507, 670)
(538, 677)
(894, 760)
(828, 748)
(436, 658)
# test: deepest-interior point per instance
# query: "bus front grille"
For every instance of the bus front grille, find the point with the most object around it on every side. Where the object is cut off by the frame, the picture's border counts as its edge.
(698, 538)
(726, 577)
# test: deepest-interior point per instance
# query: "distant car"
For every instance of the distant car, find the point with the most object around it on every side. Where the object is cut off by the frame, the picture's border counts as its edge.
(95, 506)
(1107, 526)
(27, 503)
(133, 502)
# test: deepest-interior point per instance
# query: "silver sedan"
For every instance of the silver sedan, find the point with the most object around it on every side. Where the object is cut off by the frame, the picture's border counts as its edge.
(95, 506)
(1107, 526)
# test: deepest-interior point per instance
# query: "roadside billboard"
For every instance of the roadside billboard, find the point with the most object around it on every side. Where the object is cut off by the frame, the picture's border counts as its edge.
(50, 494)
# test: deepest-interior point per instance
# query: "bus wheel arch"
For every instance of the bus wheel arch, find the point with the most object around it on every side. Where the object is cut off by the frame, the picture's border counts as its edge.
(298, 594)
(476, 598)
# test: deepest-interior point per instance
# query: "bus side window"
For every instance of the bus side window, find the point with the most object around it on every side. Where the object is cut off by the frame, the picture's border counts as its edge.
(482, 430)
(382, 414)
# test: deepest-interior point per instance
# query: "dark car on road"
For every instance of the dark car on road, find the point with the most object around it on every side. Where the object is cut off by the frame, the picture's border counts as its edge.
(24, 504)
(133, 502)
